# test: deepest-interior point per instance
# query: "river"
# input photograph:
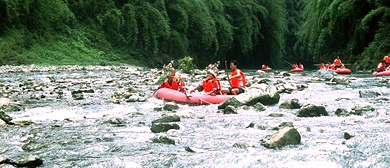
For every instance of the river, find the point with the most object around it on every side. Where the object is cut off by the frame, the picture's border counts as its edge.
(96, 131)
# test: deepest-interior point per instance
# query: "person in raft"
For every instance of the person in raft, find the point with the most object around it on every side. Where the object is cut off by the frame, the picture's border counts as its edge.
(300, 66)
(172, 81)
(386, 60)
(237, 80)
(295, 66)
(264, 67)
(211, 85)
(381, 66)
(337, 63)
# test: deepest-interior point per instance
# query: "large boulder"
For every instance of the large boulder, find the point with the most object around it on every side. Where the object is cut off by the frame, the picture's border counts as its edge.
(285, 136)
(231, 101)
(311, 110)
(165, 119)
(267, 96)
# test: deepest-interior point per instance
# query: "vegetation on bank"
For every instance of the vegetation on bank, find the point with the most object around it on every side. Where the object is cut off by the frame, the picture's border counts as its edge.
(153, 32)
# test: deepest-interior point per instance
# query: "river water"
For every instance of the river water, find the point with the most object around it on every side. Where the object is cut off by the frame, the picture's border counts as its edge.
(95, 132)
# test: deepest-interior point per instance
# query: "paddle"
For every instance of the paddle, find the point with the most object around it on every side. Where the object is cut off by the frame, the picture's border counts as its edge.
(287, 62)
(227, 74)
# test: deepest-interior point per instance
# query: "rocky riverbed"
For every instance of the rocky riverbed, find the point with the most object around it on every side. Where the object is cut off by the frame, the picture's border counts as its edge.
(105, 116)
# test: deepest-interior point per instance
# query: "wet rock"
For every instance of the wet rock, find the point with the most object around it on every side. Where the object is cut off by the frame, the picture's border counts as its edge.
(359, 110)
(230, 110)
(291, 104)
(286, 124)
(117, 121)
(348, 135)
(3, 159)
(284, 137)
(368, 94)
(190, 149)
(78, 96)
(231, 101)
(34, 146)
(22, 123)
(170, 106)
(242, 145)
(340, 81)
(251, 125)
(163, 127)
(165, 119)
(311, 110)
(6, 118)
(342, 112)
(259, 107)
(276, 115)
(30, 161)
(268, 97)
(132, 98)
(164, 140)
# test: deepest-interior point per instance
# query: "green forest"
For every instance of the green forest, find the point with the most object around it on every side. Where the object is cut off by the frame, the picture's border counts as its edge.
(153, 32)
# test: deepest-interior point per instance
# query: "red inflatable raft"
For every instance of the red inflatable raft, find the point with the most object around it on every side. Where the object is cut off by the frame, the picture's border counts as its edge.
(342, 70)
(297, 70)
(266, 69)
(193, 98)
(383, 73)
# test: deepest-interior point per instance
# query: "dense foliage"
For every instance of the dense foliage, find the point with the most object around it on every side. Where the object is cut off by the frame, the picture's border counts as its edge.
(153, 32)
(355, 30)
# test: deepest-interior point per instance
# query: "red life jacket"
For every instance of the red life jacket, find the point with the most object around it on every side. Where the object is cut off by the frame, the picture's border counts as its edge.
(300, 66)
(381, 67)
(322, 66)
(386, 59)
(294, 66)
(175, 83)
(337, 62)
(211, 84)
(236, 81)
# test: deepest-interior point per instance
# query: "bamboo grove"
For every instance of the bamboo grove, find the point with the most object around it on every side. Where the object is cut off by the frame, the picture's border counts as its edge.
(153, 32)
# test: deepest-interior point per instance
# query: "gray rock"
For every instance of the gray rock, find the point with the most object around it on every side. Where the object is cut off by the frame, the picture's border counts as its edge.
(291, 104)
(259, 107)
(251, 125)
(276, 115)
(340, 81)
(368, 94)
(348, 135)
(284, 137)
(359, 110)
(170, 106)
(231, 101)
(230, 110)
(163, 127)
(6, 118)
(164, 140)
(165, 119)
(78, 96)
(242, 145)
(342, 112)
(30, 161)
(311, 110)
